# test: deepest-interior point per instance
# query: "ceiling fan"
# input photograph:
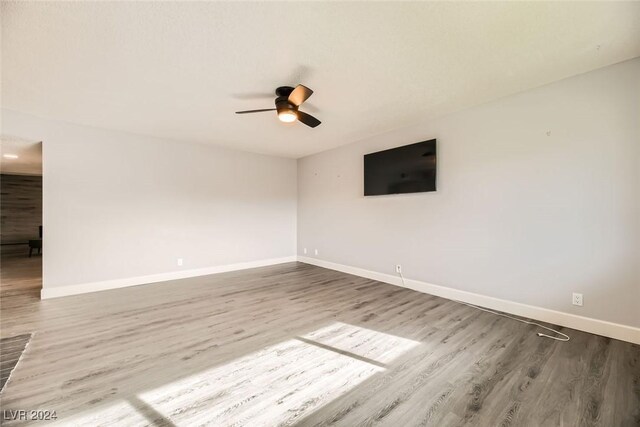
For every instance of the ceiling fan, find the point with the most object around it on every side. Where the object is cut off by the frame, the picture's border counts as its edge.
(288, 100)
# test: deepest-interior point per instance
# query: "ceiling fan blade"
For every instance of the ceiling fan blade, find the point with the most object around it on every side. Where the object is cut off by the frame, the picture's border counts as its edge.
(308, 119)
(300, 94)
(255, 111)
(253, 95)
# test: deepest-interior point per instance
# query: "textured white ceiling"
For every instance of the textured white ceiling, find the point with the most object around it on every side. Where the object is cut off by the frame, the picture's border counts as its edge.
(179, 70)
(29, 161)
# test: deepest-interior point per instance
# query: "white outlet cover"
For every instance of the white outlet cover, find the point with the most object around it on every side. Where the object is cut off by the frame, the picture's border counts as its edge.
(179, 261)
(304, 251)
(577, 299)
(316, 252)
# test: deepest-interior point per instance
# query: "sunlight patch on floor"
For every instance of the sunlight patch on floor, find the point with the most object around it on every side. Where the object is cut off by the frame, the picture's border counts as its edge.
(119, 413)
(368, 343)
(280, 383)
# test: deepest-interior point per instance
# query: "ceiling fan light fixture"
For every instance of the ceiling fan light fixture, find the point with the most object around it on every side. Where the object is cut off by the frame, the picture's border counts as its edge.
(287, 116)
(287, 102)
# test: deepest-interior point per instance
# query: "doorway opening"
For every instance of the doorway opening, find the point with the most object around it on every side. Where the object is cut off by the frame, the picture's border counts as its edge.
(21, 232)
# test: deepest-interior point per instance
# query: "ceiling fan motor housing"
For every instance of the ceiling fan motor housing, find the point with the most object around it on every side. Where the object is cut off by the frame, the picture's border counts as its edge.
(284, 91)
(282, 104)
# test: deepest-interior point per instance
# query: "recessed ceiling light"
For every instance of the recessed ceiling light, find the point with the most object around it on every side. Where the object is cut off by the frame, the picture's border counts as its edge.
(10, 156)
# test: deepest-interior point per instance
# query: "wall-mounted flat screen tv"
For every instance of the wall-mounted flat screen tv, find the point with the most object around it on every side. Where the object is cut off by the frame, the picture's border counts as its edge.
(407, 169)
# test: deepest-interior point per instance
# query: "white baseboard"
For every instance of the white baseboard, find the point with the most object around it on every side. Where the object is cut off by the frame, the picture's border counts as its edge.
(83, 288)
(587, 324)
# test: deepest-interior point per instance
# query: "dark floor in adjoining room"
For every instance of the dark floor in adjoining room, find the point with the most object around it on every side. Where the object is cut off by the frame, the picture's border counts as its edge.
(298, 344)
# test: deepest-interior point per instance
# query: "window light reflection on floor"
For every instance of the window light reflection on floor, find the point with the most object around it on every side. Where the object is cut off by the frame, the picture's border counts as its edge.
(279, 383)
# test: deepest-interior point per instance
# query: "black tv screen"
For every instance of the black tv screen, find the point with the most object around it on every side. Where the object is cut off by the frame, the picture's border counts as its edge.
(407, 169)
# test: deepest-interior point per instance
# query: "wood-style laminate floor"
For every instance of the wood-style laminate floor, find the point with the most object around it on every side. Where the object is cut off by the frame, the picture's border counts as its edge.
(295, 344)
(11, 350)
(19, 273)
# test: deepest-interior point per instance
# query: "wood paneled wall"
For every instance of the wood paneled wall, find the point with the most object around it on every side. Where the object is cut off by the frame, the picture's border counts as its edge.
(20, 207)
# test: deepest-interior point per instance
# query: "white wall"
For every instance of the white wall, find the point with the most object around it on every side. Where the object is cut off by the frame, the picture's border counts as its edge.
(118, 206)
(538, 197)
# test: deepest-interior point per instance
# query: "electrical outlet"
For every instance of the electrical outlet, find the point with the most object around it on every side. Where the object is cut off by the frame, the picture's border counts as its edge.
(577, 299)
(179, 261)
(316, 251)
(304, 251)
(398, 268)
